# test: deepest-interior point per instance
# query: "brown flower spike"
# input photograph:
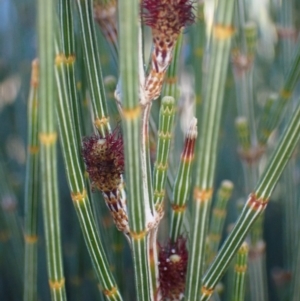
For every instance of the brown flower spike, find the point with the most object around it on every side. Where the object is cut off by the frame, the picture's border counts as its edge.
(104, 159)
(173, 259)
(166, 18)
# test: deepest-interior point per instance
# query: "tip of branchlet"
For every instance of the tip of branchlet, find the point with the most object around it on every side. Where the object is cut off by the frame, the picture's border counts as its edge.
(192, 131)
(227, 184)
(190, 140)
(104, 159)
(173, 258)
(168, 16)
(240, 121)
(167, 101)
(244, 248)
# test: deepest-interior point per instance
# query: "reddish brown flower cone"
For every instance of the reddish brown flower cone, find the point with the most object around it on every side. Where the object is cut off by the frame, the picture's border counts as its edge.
(173, 259)
(104, 159)
(166, 18)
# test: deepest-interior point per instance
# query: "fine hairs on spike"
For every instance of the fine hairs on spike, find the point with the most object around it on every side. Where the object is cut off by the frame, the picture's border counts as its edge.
(166, 18)
(104, 160)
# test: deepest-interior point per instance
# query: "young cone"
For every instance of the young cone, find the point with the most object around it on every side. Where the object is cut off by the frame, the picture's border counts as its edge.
(104, 159)
(166, 18)
(173, 258)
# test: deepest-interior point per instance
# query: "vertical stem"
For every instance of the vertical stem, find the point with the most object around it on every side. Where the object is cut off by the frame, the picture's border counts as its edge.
(68, 49)
(145, 158)
(239, 277)
(257, 270)
(243, 74)
(286, 33)
(48, 138)
(31, 194)
(170, 87)
(166, 120)
(199, 50)
(207, 144)
(138, 211)
(77, 185)
(183, 182)
(92, 65)
(218, 218)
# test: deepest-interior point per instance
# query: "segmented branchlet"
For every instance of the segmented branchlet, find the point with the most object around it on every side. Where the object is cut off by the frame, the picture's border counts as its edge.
(182, 182)
(173, 258)
(166, 18)
(104, 159)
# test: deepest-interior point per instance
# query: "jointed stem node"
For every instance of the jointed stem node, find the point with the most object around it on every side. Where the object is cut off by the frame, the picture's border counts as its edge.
(78, 196)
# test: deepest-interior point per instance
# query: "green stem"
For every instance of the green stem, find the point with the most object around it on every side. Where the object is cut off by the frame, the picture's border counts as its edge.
(257, 271)
(77, 185)
(145, 158)
(290, 190)
(166, 120)
(183, 182)
(93, 72)
(138, 209)
(48, 145)
(68, 47)
(92, 65)
(243, 133)
(218, 218)
(170, 87)
(239, 278)
(207, 144)
(31, 194)
(265, 127)
(255, 205)
(198, 42)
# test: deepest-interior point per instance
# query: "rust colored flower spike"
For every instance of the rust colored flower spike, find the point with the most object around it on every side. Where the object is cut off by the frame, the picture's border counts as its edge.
(173, 259)
(166, 18)
(104, 159)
